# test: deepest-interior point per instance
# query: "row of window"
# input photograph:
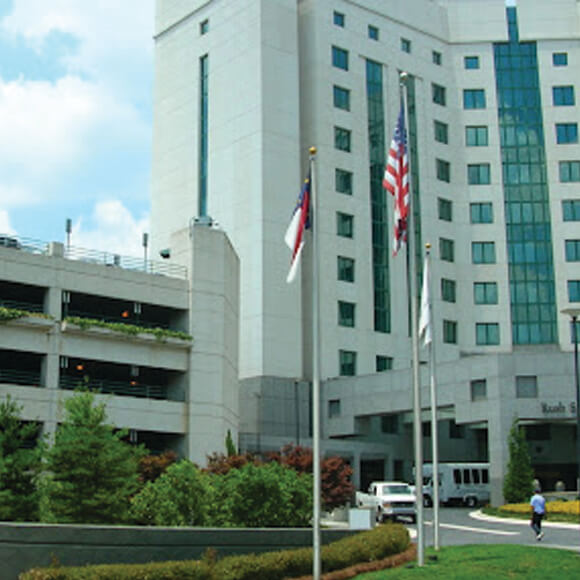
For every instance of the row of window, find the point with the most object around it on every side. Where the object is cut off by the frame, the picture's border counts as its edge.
(562, 96)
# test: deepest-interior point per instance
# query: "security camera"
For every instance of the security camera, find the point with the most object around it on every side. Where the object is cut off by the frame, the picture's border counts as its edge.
(166, 253)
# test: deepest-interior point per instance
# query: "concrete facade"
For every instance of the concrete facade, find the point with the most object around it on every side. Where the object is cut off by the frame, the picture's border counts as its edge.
(170, 392)
(268, 98)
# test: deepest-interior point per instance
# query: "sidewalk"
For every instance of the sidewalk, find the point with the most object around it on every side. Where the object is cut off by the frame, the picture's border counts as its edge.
(478, 515)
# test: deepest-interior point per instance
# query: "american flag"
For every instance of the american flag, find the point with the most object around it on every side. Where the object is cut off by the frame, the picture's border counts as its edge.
(396, 181)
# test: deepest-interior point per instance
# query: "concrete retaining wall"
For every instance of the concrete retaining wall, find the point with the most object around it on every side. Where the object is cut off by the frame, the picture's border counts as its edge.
(24, 546)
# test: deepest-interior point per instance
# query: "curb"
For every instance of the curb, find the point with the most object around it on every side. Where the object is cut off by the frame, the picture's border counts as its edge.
(478, 515)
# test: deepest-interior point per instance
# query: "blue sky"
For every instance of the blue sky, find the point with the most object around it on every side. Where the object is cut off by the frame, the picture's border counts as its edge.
(75, 120)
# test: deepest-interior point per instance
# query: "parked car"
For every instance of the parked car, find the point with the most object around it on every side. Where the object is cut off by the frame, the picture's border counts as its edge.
(390, 500)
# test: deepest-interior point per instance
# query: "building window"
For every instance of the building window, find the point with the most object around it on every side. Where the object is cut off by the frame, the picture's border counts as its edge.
(450, 331)
(485, 292)
(478, 174)
(527, 387)
(483, 252)
(347, 363)
(344, 225)
(441, 131)
(346, 313)
(572, 250)
(342, 139)
(406, 45)
(338, 19)
(203, 135)
(345, 269)
(438, 94)
(339, 58)
(390, 424)
(574, 290)
(343, 181)
(486, 333)
(572, 337)
(473, 98)
(443, 170)
(436, 57)
(204, 27)
(448, 290)
(478, 389)
(560, 58)
(569, 171)
(456, 431)
(481, 212)
(341, 98)
(445, 208)
(563, 96)
(471, 62)
(476, 136)
(333, 408)
(383, 363)
(571, 210)
(373, 32)
(446, 250)
(566, 133)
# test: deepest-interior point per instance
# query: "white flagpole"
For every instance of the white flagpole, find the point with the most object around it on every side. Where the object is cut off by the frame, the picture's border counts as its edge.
(433, 392)
(412, 277)
(316, 567)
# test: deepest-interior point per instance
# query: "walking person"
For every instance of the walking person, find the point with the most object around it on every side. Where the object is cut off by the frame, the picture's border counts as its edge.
(538, 503)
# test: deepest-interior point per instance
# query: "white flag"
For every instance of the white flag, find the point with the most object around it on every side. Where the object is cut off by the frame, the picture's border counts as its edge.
(425, 316)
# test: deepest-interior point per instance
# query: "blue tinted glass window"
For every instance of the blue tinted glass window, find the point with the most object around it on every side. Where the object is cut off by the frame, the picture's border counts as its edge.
(572, 250)
(483, 252)
(566, 133)
(478, 174)
(448, 290)
(342, 139)
(347, 363)
(343, 181)
(485, 293)
(346, 313)
(405, 45)
(436, 56)
(443, 169)
(476, 136)
(487, 333)
(560, 59)
(438, 94)
(571, 210)
(563, 96)
(569, 171)
(481, 213)
(339, 58)
(445, 209)
(574, 290)
(345, 269)
(446, 250)
(338, 19)
(341, 98)
(373, 32)
(450, 331)
(471, 62)
(474, 99)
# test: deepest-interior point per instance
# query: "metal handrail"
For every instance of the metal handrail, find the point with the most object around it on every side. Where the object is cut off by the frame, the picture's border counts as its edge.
(32, 246)
(108, 387)
(18, 377)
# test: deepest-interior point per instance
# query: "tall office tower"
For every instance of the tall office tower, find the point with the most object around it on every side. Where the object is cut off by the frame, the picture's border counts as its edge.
(245, 87)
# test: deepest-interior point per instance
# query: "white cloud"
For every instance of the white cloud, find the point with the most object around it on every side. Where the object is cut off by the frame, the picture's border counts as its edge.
(51, 128)
(111, 228)
(5, 227)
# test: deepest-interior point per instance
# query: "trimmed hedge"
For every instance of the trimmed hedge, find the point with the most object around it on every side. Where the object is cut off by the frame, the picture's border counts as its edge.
(376, 544)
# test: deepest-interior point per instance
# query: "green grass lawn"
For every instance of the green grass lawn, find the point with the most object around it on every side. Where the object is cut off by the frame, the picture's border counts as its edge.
(488, 561)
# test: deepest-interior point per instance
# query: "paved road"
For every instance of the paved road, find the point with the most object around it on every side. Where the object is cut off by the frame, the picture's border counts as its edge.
(463, 526)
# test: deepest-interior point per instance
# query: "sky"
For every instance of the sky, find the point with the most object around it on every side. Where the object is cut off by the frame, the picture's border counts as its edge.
(76, 80)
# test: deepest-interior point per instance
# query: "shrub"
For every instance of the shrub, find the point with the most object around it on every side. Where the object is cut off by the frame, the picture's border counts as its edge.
(180, 497)
(518, 482)
(187, 570)
(267, 495)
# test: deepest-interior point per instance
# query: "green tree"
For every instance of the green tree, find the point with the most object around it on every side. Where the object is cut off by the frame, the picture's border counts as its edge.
(92, 471)
(266, 495)
(179, 497)
(230, 445)
(19, 465)
(518, 481)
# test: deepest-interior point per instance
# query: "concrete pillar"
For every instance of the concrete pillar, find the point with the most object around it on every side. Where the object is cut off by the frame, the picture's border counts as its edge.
(499, 423)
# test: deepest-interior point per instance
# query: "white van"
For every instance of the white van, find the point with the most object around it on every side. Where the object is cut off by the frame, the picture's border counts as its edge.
(463, 483)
